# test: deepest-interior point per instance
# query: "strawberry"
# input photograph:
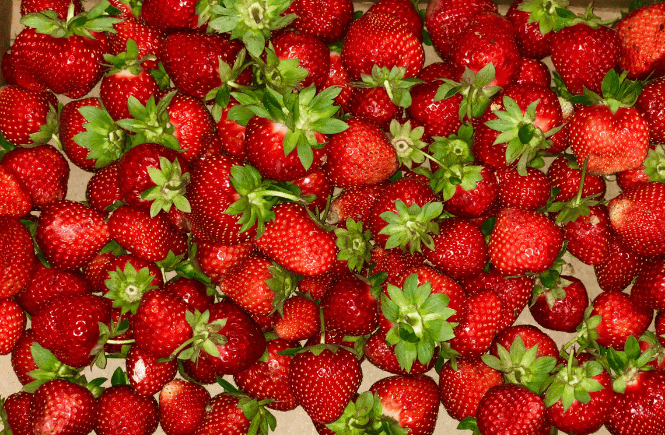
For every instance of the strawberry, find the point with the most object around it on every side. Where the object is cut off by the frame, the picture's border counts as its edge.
(413, 401)
(635, 217)
(647, 290)
(334, 370)
(533, 71)
(523, 241)
(225, 413)
(477, 201)
(404, 10)
(215, 259)
(619, 267)
(382, 355)
(103, 189)
(327, 20)
(359, 156)
(17, 409)
(12, 325)
(469, 379)
(560, 308)
(350, 306)
(300, 319)
(565, 175)
(446, 19)
(15, 200)
(18, 256)
(182, 406)
(48, 283)
(381, 39)
(478, 325)
(146, 237)
(312, 54)
(170, 15)
(72, 341)
(650, 105)
(296, 242)
(69, 63)
(507, 408)
(120, 408)
(147, 38)
(65, 405)
(527, 192)
(315, 183)
(642, 54)
(621, 317)
(194, 292)
(27, 116)
(269, 379)
(529, 336)
(21, 357)
(532, 23)
(59, 6)
(201, 371)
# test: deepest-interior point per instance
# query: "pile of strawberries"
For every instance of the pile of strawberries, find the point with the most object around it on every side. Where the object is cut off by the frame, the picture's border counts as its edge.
(286, 192)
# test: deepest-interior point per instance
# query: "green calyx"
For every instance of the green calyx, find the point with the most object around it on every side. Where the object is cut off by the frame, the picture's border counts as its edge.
(126, 288)
(474, 87)
(654, 164)
(170, 187)
(419, 318)
(281, 75)
(228, 74)
(572, 383)
(49, 130)
(251, 21)
(407, 143)
(205, 336)
(411, 226)
(105, 139)
(567, 18)
(304, 113)
(107, 335)
(128, 60)
(261, 420)
(587, 334)
(354, 245)
(518, 131)
(283, 283)
(616, 92)
(95, 20)
(522, 366)
(49, 368)
(569, 211)
(151, 123)
(626, 365)
(365, 416)
(549, 14)
(392, 80)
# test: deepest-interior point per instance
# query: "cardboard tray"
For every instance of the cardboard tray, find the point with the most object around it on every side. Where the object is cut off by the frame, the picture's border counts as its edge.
(297, 422)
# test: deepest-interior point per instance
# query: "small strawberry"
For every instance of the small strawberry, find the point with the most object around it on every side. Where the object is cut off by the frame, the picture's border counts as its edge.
(18, 256)
(619, 267)
(120, 408)
(560, 308)
(350, 306)
(215, 259)
(234, 413)
(182, 406)
(15, 200)
(15, 413)
(478, 326)
(647, 290)
(507, 408)
(103, 189)
(530, 191)
(300, 319)
(27, 117)
(21, 357)
(12, 325)
(147, 38)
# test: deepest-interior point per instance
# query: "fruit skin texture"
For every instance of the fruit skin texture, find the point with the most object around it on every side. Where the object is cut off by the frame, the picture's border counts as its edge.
(338, 374)
(182, 406)
(638, 217)
(23, 112)
(523, 241)
(223, 416)
(297, 243)
(564, 314)
(621, 317)
(328, 20)
(641, 409)
(121, 410)
(642, 41)
(412, 400)
(17, 257)
(511, 409)
(69, 327)
(146, 375)
(12, 325)
(651, 105)
(648, 290)
(612, 142)
(64, 405)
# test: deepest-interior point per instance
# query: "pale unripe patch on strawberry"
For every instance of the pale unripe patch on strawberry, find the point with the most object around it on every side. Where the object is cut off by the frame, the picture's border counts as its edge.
(140, 371)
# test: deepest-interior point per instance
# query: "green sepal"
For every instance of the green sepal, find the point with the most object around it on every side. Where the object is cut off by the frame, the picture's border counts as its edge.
(654, 164)
(127, 287)
(48, 368)
(474, 87)
(393, 81)
(151, 122)
(354, 245)
(82, 24)
(407, 143)
(411, 226)
(119, 377)
(49, 130)
(170, 187)
(105, 139)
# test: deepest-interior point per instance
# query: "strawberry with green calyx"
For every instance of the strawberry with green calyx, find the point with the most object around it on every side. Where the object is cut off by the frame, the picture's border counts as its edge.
(183, 264)
(127, 287)
(170, 186)
(654, 163)
(229, 75)
(151, 122)
(533, 23)
(205, 336)
(408, 143)
(520, 365)
(105, 139)
(28, 118)
(579, 396)
(281, 75)
(419, 321)
(284, 123)
(560, 308)
(111, 336)
(411, 226)
(354, 244)
(48, 368)
(587, 332)
(365, 416)
(474, 87)
(609, 130)
(252, 21)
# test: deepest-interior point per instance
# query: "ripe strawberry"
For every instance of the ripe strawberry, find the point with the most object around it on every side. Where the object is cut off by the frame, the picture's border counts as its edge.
(532, 23)
(69, 233)
(15, 200)
(201, 371)
(182, 406)
(566, 175)
(69, 327)
(533, 71)
(17, 409)
(300, 319)
(68, 63)
(194, 292)
(147, 38)
(642, 53)
(315, 183)
(384, 40)
(530, 336)
(224, 414)
(647, 290)
(21, 358)
(413, 401)
(650, 105)
(216, 259)
(103, 189)
(561, 308)
(621, 317)
(335, 371)
(65, 405)
(146, 237)
(523, 241)
(619, 267)
(350, 306)
(469, 379)
(507, 408)
(478, 326)
(145, 373)
(120, 408)
(527, 192)
(12, 325)
(313, 55)
(446, 19)
(170, 15)
(59, 6)
(296, 242)
(327, 20)
(48, 283)
(382, 355)
(26, 116)
(475, 202)
(18, 256)
(636, 218)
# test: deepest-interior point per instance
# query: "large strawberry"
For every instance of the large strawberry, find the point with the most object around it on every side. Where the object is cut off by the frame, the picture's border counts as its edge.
(65, 405)
(507, 408)
(182, 406)
(68, 61)
(641, 40)
(120, 408)
(327, 20)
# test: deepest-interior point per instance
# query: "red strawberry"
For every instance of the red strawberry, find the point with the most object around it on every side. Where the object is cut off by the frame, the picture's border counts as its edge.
(528, 192)
(413, 401)
(476, 202)
(478, 326)
(12, 325)
(194, 292)
(182, 406)
(59, 6)
(146, 237)
(216, 259)
(523, 241)
(146, 375)
(17, 408)
(350, 306)
(18, 256)
(566, 175)
(120, 408)
(103, 189)
(621, 317)
(313, 55)
(532, 23)
(147, 38)
(62, 404)
(300, 319)
(25, 115)
(533, 71)
(641, 41)
(224, 415)
(647, 290)
(382, 355)
(328, 20)
(651, 106)
(510, 408)
(15, 200)
(70, 234)
(530, 336)
(21, 357)
(619, 267)
(381, 39)
(296, 242)
(561, 308)
(469, 379)
(402, 9)
(639, 409)
(335, 371)
(170, 15)
(315, 183)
